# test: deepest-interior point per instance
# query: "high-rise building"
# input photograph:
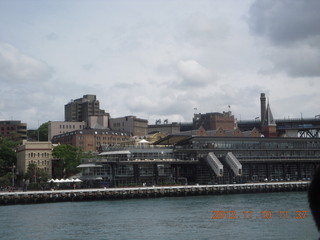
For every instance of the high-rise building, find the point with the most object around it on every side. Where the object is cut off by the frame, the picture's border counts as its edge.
(81, 109)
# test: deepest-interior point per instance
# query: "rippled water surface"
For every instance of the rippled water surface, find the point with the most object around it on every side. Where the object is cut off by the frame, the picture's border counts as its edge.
(179, 218)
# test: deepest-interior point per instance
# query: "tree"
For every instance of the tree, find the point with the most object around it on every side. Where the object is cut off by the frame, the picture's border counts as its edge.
(36, 175)
(43, 132)
(10, 141)
(7, 159)
(40, 134)
(69, 157)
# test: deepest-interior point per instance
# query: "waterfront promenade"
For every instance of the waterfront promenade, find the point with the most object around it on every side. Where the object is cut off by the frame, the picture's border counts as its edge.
(31, 197)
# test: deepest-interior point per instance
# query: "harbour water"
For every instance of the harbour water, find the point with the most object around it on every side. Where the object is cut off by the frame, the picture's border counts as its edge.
(245, 216)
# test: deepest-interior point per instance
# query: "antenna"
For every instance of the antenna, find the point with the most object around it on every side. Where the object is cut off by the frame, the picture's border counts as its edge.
(38, 132)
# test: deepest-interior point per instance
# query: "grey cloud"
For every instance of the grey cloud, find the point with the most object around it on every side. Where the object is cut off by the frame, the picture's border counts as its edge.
(285, 21)
(293, 29)
(52, 36)
(204, 30)
(298, 63)
(87, 67)
(123, 85)
(304, 105)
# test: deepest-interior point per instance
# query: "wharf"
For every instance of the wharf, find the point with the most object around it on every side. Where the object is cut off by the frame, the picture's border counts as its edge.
(31, 197)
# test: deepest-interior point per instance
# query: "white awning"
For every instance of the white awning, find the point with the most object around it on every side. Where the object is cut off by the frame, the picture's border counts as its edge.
(115, 152)
(88, 165)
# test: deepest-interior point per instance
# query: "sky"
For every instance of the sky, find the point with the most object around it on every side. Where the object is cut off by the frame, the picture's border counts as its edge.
(159, 59)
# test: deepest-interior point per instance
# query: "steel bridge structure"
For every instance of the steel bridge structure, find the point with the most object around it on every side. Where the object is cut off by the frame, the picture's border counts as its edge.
(300, 127)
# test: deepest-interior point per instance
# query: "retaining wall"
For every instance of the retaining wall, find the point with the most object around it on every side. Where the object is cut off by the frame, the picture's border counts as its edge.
(7, 198)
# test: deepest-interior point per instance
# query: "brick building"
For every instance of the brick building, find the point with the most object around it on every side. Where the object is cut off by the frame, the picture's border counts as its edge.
(91, 139)
(213, 121)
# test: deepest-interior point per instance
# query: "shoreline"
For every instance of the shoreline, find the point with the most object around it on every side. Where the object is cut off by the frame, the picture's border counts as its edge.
(71, 195)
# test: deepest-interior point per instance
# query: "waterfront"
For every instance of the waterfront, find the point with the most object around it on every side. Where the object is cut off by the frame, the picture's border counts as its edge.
(162, 218)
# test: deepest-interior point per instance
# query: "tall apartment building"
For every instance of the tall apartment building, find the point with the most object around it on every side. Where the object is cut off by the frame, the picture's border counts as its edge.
(213, 121)
(132, 124)
(10, 126)
(39, 153)
(82, 108)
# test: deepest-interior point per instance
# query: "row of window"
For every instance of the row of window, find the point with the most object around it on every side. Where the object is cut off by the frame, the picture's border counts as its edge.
(8, 128)
(69, 126)
(40, 162)
(213, 144)
(33, 155)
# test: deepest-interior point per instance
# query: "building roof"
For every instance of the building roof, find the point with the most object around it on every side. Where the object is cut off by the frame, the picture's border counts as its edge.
(93, 131)
(268, 118)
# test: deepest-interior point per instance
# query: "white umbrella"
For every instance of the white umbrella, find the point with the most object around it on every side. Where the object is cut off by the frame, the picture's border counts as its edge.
(77, 180)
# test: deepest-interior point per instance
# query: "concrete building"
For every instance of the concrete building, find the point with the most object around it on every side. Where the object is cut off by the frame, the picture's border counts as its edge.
(39, 153)
(132, 124)
(60, 127)
(7, 127)
(213, 121)
(91, 139)
(82, 108)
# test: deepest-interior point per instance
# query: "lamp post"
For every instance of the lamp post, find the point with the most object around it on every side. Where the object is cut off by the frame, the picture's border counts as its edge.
(13, 167)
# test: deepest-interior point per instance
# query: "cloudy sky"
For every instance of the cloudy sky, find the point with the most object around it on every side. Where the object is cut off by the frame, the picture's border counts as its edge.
(159, 59)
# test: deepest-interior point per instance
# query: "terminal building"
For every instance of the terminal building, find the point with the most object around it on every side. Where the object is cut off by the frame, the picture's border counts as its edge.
(181, 159)
(213, 151)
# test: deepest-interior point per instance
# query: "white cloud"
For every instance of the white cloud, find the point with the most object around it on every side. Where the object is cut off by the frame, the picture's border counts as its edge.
(193, 74)
(147, 59)
(17, 67)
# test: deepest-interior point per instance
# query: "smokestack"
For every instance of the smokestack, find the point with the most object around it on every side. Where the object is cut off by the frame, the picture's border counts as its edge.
(263, 106)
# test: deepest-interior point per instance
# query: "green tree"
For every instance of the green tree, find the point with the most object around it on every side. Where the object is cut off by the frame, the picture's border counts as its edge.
(43, 131)
(10, 142)
(36, 175)
(40, 134)
(5, 180)
(69, 157)
(7, 159)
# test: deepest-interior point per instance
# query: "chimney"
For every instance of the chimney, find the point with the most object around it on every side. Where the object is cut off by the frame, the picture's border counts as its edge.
(263, 106)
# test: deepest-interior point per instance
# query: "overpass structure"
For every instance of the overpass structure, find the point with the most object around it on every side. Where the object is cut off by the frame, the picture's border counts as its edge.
(300, 127)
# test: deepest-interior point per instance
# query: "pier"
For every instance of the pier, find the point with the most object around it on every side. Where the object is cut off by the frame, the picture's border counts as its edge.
(32, 197)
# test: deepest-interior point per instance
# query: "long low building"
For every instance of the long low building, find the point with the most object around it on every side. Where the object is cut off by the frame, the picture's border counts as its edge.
(178, 159)
(91, 139)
